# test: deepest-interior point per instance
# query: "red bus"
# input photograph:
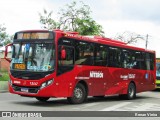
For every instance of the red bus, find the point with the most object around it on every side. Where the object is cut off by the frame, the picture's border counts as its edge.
(48, 64)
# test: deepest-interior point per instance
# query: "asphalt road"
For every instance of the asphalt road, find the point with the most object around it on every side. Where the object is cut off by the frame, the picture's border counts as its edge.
(146, 101)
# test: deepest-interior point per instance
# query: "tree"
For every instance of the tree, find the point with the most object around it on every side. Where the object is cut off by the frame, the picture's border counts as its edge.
(46, 20)
(4, 37)
(129, 37)
(88, 27)
(3, 33)
(73, 17)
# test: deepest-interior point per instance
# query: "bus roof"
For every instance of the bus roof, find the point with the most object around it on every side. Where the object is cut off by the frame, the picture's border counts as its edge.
(106, 41)
(96, 39)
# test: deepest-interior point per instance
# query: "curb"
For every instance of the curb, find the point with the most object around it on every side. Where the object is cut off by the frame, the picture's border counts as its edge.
(3, 91)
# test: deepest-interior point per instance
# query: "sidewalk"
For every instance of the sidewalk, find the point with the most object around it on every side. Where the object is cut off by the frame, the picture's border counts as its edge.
(3, 86)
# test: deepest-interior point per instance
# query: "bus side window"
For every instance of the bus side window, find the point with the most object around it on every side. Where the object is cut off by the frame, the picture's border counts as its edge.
(149, 61)
(140, 60)
(128, 58)
(101, 55)
(84, 53)
(114, 57)
(152, 56)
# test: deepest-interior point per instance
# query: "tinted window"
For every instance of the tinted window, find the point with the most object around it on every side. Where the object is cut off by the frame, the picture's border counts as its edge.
(128, 59)
(139, 60)
(149, 61)
(101, 55)
(114, 57)
(69, 57)
(84, 53)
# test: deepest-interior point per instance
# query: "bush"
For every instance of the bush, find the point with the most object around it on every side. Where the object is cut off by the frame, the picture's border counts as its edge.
(4, 76)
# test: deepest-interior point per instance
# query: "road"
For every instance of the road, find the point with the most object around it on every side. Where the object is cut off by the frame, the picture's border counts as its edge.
(146, 101)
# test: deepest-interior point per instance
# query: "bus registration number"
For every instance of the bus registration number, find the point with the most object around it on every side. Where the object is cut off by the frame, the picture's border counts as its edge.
(20, 66)
(24, 89)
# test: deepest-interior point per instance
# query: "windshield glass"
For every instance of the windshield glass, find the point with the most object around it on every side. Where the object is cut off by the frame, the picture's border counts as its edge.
(158, 70)
(33, 57)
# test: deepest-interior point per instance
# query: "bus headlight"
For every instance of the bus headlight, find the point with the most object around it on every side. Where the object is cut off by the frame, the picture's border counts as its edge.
(10, 82)
(45, 84)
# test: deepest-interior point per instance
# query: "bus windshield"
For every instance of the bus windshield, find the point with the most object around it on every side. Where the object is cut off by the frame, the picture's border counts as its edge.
(33, 57)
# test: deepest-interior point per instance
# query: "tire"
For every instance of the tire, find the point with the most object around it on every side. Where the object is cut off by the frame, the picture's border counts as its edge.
(42, 99)
(79, 95)
(131, 92)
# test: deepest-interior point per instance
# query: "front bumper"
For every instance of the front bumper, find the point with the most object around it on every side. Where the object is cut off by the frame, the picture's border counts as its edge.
(32, 91)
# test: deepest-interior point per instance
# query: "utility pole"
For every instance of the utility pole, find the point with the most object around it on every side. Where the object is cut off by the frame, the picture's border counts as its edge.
(146, 40)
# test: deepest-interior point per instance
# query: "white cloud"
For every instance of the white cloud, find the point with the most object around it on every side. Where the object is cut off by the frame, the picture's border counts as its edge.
(114, 27)
(22, 14)
(115, 16)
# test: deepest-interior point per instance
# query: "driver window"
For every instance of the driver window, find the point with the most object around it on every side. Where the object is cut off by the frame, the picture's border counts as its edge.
(68, 59)
(65, 59)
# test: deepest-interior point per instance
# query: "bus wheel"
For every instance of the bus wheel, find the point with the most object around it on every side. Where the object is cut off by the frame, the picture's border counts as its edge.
(131, 93)
(79, 95)
(42, 99)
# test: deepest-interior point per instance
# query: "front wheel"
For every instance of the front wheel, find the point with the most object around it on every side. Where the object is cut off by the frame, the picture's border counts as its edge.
(42, 99)
(79, 95)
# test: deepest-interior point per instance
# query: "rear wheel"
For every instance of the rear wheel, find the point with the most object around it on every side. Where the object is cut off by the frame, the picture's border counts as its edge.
(131, 93)
(42, 99)
(79, 95)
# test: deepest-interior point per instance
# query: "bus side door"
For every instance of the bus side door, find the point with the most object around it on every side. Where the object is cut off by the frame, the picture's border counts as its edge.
(65, 67)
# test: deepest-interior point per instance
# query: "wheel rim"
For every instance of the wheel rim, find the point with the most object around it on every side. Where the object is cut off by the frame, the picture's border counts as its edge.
(131, 92)
(78, 93)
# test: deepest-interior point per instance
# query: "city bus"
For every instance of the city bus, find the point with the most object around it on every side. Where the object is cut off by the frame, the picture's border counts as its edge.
(56, 63)
(157, 72)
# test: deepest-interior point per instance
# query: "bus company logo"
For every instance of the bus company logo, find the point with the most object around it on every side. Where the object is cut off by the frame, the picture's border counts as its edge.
(129, 76)
(33, 83)
(96, 74)
(17, 82)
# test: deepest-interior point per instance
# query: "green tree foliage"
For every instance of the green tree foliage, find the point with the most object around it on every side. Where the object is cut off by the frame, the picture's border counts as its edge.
(73, 17)
(47, 22)
(4, 37)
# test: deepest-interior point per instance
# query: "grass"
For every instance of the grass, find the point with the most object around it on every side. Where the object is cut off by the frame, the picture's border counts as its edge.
(5, 76)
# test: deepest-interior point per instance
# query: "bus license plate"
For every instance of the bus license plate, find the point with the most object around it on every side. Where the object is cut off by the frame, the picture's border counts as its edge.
(24, 89)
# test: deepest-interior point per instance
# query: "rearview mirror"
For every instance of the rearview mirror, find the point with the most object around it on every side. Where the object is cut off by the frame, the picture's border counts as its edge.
(6, 52)
(63, 53)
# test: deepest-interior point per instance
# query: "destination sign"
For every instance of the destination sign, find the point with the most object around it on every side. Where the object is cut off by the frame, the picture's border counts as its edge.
(34, 35)
(20, 66)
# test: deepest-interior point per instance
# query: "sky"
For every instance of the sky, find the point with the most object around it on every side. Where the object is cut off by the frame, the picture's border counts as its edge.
(115, 16)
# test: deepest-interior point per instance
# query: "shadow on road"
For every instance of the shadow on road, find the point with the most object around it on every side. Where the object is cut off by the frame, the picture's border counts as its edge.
(49, 103)
(64, 102)
(156, 90)
(113, 98)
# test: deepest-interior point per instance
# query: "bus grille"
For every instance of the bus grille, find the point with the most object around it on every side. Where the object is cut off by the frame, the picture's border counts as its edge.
(30, 89)
(27, 75)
